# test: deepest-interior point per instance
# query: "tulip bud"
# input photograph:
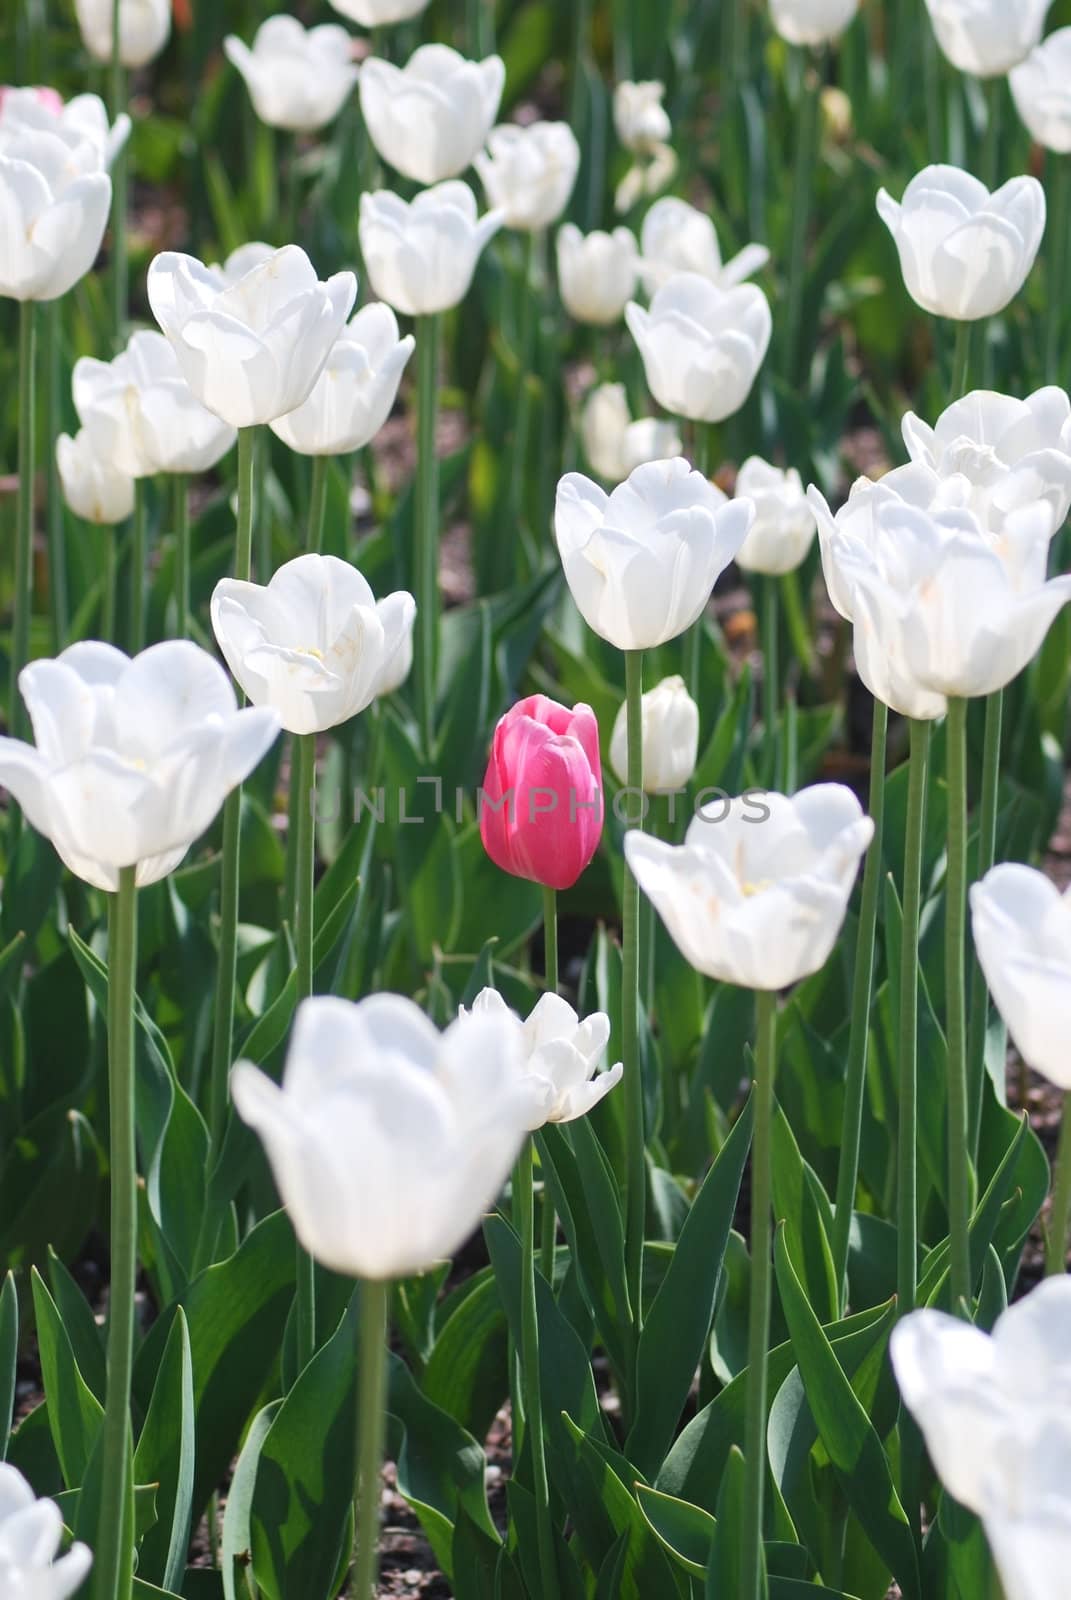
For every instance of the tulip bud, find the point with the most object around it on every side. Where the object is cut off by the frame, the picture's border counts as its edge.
(144, 29)
(784, 525)
(1041, 89)
(987, 37)
(1022, 934)
(812, 22)
(540, 807)
(613, 443)
(677, 238)
(85, 117)
(596, 273)
(297, 79)
(670, 738)
(54, 199)
(353, 396)
(702, 346)
(31, 1533)
(641, 120)
(837, 121)
(964, 253)
(378, 13)
(560, 1056)
(429, 118)
(92, 486)
(528, 173)
(421, 255)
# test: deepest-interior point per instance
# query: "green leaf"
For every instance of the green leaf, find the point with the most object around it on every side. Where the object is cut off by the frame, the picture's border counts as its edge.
(795, 1196)
(686, 1531)
(237, 1539)
(724, 1576)
(467, 1372)
(74, 1412)
(86, 1337)
(70, 1502)
(165, 1455)
(605, 1508)
(9, 1357)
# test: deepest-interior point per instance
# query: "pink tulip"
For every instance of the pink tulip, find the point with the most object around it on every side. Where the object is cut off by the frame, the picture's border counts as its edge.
(48, 98)
(540, 807)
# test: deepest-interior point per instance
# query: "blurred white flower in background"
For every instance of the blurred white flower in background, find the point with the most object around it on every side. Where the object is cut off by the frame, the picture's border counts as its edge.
(670, 720)
(1022, 933)
(784, 526)
(1041, 89)
(702, 346)
(812, 21)
(31, 1532)
(528, 173)
(987, 37)
(421, 255)
(92, 486)
(297, 78)
(614, 444)
(144, 29)
(676, 237)
(54, 199)
(596, 273)
(84, 115)
(430, 118)
(353, 396)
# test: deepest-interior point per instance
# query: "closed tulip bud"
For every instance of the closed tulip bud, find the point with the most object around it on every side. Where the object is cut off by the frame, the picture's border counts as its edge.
(54, 199)
(313, 644)
(529, 173)
(964, 253)
(1041, 89)
(702, 346)
(92, 486)
(540, 807)
(641, 120)
(784, 526)
(987, 37)
(141, 414)
(641, 562)
(1003, 453)
(133, 757)
(596, 273)
(251, 350)
(614, 444)
(421, 255)
(812, 21)
(677, 238)
(1022, 933)
(354, 394)
(85, 117)
(429, 118)
(297, 79)
(144, 29)
(560, 1056)
(387, 1139)
(758, 892)
(670, 738)
(378, 13)
(31, 1532)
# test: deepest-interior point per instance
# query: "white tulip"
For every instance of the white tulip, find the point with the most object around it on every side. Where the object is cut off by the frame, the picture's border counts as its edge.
(421, 255)
(355, 392)
(675, 237)
(648, 175)
(241, 261)
(84, 116)
(54, 201)
(378, 13)
(596, 273)
(141, 414)
(388, 1140)
(144, 29)
(429, 118)
(812, 21)
(784, 526)
(560, 1056)
(528, 173)
(641, 562)
(987, 37)
(614, 444)
(252, 350)
(964, 253)
(854, 526)
(1027, 1516)
(132, 758)
(702, 346)
(1005, 452)
(758, 892)
(297, 78)
(670, 720)
(641, 120)
(91, 485)
(31, 1532)
(1041, 89)
(397, 668)
(313, 644)
(1022, 933)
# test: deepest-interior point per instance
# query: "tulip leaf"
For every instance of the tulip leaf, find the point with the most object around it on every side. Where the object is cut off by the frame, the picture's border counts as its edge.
(724, 1574)
(685, 1531)
(237, 1539)
(86, 1337)
(522, 1516)
(467, 1371)
(482, 1568)
(806, 1220)
(9, 1357)
(48, 1187)
(678, 1323)
(165, 1455)
(70, 1502)
(74, 1412)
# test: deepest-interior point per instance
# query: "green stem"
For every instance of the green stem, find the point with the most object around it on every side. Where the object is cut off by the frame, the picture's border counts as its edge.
(771, 670)
(223, 1021)
(636, 1163)
(961, 360)
(303, 843)
(57, 542)
(862, 994)
(110, 581)
(525, 349)
(20, 641)
(550, 939)
(1060, 1217)
(138, 541)
(1059, 222)
(907, 1136)
(113, 1571)
(803, 198)
(759, 1313)
(427, 527)
(180, 490)
(533, 1404)
(959, 1194)
(993, 88)
(987, 849)
(120, 175)
(318, 502)
(371, 1431)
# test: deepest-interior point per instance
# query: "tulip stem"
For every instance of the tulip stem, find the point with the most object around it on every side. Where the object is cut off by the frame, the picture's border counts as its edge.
(223, 1022)
(987, 849)
(317, 503)
(57, 545)
(961, 360)
(120, 185)
(110, 581)
(803, 197)
(180, 489)
(550, 939)
(907, 1206)
(862, 994)
(1059, 221)
(771, 669)
(113, 1572)
(759, 1313)
(523, 414)
(20, 641)
(959, 1193)
(524, 1211)
(1060, 1216)
(303, 843)
(137, 567)
(636, 1165)
(427, 526)
(371, 1431)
